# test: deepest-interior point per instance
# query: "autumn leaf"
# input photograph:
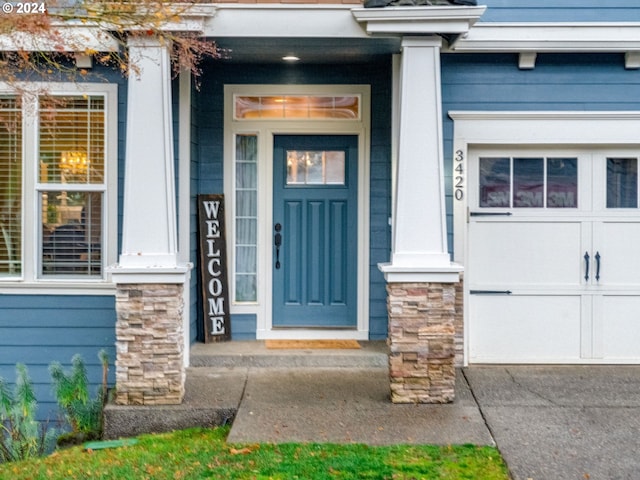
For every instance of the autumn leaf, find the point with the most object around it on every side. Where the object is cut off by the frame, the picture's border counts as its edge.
(243, 451)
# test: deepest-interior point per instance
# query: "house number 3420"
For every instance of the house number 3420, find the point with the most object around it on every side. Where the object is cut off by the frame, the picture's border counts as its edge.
(458, 182)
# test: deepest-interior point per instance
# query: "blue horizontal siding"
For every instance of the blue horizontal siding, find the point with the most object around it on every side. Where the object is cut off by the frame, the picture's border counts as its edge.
(561, 11)
(243, 327)
(40, 329)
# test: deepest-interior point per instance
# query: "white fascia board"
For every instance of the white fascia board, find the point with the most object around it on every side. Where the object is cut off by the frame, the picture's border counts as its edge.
(283, 20)
(550, 37)
(418, 20)
(70, 38)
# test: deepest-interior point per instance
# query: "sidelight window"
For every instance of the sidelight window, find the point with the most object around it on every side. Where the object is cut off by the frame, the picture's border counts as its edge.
(246, 238)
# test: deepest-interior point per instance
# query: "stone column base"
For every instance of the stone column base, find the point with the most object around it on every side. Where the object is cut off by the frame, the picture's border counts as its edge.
(149, 344)
(421, 342)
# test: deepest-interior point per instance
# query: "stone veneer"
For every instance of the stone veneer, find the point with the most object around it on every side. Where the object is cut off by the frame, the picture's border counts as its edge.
(149, 344)
(459, 322)
(421, 342)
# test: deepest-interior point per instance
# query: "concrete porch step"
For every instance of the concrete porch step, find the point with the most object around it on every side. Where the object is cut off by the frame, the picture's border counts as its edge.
(217, 377)
(372, 354)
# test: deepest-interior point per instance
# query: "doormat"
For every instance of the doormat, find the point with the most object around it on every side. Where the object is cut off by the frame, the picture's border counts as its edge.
(313, 344)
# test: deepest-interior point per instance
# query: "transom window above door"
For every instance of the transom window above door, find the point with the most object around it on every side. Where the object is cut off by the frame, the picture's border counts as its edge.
(528, 182)
(300, 107)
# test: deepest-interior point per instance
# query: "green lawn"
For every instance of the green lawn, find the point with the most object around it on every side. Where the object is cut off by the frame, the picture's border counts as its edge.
(204, 453)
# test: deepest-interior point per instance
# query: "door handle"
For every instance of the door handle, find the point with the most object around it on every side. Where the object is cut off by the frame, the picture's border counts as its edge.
(277, 240)
(597, 266)
(586, 262)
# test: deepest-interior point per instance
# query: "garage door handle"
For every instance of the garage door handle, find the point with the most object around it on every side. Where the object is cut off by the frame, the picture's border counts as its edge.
(586, 263)
(597, 266)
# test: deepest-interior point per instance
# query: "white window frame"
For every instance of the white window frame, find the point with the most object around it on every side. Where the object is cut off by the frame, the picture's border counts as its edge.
(30, 282)
(266, 129)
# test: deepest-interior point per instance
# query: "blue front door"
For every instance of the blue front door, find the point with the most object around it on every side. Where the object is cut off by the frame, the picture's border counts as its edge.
(315, 231)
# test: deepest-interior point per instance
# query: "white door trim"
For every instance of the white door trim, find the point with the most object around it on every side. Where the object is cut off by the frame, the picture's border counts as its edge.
(266, 131)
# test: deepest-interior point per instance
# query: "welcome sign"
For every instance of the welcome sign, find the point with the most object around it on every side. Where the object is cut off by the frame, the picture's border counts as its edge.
(213, 268)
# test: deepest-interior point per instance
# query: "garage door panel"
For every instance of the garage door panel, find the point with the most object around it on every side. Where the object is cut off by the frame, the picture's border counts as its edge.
(525, 253)
(619, 256)
(524, 329)
(619, 327)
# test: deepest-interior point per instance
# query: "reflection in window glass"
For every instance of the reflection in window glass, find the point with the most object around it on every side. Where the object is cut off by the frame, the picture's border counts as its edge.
(71, 232)
(622, 183)
(528, 182)
(327, 107)
(495, 182)
(506, 182)
(562, 182)
(71, 151)
(315, 167)
(72, 139)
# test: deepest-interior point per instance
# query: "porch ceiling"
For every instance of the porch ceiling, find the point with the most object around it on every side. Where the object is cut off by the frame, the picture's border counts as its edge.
(309, 50)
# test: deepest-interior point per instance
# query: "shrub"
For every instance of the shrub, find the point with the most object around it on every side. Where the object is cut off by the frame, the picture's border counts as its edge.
(83, 413)
(21, 435)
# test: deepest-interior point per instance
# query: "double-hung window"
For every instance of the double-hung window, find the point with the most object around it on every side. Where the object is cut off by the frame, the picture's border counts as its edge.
(57, 173)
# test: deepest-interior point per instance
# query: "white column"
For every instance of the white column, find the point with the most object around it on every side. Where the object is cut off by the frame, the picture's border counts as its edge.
(149, 236)
(419, 251)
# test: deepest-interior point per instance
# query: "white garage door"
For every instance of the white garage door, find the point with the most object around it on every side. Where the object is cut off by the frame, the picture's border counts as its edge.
(553, 259)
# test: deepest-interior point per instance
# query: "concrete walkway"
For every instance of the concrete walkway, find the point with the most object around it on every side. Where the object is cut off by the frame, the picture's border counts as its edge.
(550, 423)
(563, 423)
(348, 405)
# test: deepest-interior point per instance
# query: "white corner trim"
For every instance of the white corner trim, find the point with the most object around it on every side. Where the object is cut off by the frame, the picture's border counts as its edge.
(550, 37)
(418, 20)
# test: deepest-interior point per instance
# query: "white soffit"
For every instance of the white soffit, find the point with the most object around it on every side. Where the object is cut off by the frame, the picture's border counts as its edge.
(550, 37)
(418, 20)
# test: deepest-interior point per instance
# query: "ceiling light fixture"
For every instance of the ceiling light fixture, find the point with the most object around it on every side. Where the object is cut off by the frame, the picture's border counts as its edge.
(290, 58)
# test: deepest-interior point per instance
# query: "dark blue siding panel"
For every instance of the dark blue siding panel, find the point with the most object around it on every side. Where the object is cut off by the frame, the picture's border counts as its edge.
(243, 327)
(39, 329)
(561, 11)
(210, 167)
